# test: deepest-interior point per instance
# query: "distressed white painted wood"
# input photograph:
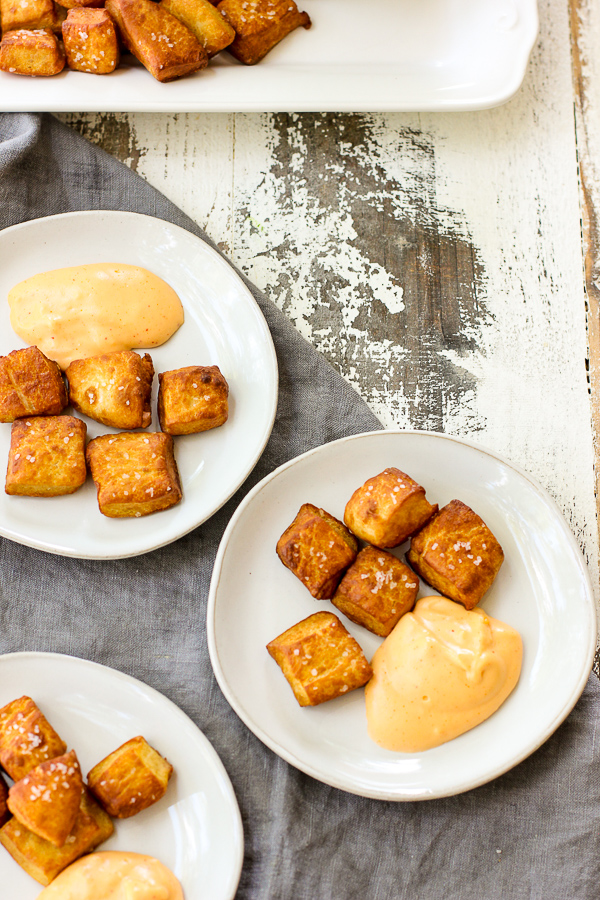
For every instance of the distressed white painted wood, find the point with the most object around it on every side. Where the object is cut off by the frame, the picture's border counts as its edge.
(435, 259)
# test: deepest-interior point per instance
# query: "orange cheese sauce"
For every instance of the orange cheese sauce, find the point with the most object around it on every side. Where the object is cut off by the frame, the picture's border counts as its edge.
(440, 672)
(87, 310)
(112, 875)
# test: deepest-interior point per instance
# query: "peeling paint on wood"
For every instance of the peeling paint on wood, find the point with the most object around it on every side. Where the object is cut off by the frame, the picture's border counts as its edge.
(585, 35)
(367, 265)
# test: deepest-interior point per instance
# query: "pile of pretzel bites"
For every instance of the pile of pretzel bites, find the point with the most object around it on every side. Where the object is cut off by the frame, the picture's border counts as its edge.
(170, 38)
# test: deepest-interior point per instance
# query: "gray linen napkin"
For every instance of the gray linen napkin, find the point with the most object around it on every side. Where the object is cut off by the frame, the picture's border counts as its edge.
(534, 833)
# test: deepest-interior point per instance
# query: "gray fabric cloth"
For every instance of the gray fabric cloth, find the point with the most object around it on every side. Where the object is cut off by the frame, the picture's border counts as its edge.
(534, 833)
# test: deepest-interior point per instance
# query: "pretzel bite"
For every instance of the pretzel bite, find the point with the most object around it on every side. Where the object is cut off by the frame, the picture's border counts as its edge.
(320, 659)
(4, 811)
(192, 399)
(41, 859)
(376, 591)
(457, 554)
(260, 25)
(136, 474)
(115, 388)
(91, 45)
(80, 4)
(31, 53)
(32, 14)
(130, 779)
(46, 800)
(161, 43)
(204, 21)
(26, 738)
(318, 549)
(387, 509)
(30, 385)
(46, 456)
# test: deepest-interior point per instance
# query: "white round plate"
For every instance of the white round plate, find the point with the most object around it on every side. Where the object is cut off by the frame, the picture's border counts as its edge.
(542, 589)
(223, 326)
(195, 829)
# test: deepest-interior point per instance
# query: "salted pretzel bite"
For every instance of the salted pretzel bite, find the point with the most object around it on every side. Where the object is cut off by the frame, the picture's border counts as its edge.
(192, 399)
(160, 41)
(376, 591)
(135, 473)
(47, 799)
(204, 21)
(320, 659)
(30, 385)
(90, 40)
(130, 779)
(46, 456)
(114, 388)
(26, 738)
(80, 4)
(41, 859)
(318, 549)
(25, 52)
(457, 554)
(387, 509)
(260, 25)
(31, 15)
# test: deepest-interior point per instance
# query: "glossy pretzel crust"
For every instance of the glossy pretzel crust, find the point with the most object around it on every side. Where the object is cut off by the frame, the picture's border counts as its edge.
(376, 591)
(30, 385)
(135, 473)
(91, 45)
(26, 738)
(130, 779)
(320, 659)
(41, 859)
(318, 549)
(25, 52)
(457, 554)
(260, 25)
(114, 388)
(192, 399)
(387, 509)
(46, 456)
(47, 799)
(161, 43)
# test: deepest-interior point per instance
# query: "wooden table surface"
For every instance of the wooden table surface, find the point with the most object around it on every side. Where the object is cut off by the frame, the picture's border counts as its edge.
(446, 264)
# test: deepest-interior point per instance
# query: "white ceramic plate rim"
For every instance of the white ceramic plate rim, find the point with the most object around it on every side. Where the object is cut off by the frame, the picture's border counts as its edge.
(163, 536)
(580, 677)
(300, 76)
(230, 880)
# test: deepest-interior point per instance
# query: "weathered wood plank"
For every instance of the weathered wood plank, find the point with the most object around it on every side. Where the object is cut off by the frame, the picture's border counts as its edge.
(585, 36)
(585, 29)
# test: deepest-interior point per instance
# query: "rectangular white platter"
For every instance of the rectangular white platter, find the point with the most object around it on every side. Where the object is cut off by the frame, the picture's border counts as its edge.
(359, 56)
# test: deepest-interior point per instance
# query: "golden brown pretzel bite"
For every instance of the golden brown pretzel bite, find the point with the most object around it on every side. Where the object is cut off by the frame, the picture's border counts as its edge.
(388, 508)
(318, 549)
(30, 385)
(320, 659)
(457, 554)
(161, 43)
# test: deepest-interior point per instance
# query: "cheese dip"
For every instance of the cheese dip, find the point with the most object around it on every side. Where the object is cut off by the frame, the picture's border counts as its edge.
(93, 309)
(441, 671)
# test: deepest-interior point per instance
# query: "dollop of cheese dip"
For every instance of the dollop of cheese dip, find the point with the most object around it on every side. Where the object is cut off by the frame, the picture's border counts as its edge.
(88, 310)
(440, 672)
(113, 875)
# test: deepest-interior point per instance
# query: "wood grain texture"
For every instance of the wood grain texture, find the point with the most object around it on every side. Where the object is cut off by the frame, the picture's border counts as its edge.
(435, 259)
(585, 37)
